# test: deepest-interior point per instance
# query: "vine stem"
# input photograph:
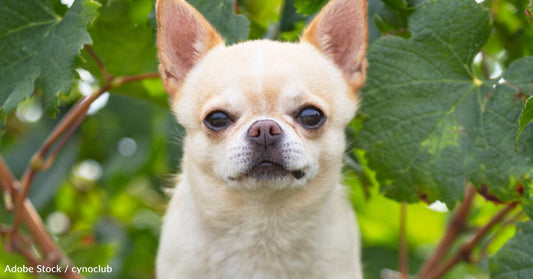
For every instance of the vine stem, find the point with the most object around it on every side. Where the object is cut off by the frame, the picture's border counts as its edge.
(456, 226)
(33, 223)
(119, 81)
(101, 65)
(17, 192)
(6, 176)
(404, 256)
(485, 66)
(236, 6)
(51, 158)
(66, 127)
(483, 250)
(36, 163)
(464, 252)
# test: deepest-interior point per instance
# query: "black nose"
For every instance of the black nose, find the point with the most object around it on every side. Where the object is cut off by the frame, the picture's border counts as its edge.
(264, 132)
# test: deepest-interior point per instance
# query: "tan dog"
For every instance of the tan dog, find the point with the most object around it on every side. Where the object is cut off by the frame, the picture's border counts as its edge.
(259, 196)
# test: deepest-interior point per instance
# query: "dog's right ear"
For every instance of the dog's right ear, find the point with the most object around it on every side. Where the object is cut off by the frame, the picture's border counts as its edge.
(183, 37)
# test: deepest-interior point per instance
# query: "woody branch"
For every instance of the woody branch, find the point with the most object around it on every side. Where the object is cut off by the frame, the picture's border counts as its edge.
(16, 191)
(438, 264)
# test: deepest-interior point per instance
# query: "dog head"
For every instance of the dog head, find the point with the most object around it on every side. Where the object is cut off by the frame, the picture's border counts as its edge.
(264, 113)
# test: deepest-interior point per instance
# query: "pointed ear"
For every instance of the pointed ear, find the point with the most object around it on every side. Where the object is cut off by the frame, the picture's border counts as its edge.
(183, 37)
(340, 31)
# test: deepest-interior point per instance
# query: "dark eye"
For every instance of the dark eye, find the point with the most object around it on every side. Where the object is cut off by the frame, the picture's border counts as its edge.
(310, 117)
(217, 120)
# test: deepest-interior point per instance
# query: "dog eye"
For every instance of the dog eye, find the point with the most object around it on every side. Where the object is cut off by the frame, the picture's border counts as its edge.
(310, 117)
(217, 120)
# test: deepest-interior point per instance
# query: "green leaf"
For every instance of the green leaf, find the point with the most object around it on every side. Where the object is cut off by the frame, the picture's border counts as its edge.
(526, 117)
(38, 49)
(396, 4)
(515, 259)
(220, 14)
(124, 40)
(390, 17)
(374, 9)
(519, 75)
(309, 7)
(429, 124)
(527, 203)
(262, 14)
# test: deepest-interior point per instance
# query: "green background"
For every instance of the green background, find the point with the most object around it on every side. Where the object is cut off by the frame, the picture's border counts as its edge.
(446, 85)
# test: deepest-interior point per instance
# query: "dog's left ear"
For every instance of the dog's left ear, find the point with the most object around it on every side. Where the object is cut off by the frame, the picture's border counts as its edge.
(340, 31)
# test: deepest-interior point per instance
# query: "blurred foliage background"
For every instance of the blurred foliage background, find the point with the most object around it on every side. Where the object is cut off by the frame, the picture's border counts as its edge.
(104, 197)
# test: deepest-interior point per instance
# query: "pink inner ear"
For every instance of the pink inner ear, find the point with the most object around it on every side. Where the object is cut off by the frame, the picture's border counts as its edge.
(183, 37)
(346, 42)
(178, 36)
(340, 32)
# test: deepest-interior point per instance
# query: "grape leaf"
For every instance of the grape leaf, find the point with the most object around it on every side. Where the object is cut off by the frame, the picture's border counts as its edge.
(390, 18)
(309, 7)
(526, 117)
(520, 74)
(429, 124)
(264, 12)
(124, 39)
(220, 14)
(527, 203)
(515, 259)
(396, 4)
(38, 49)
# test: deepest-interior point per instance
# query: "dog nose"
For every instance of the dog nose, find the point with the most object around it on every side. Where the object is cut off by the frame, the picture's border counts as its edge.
(264, 132)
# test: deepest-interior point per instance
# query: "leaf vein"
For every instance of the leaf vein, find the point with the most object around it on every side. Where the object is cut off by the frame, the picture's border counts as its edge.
(33, 24)
(439, 122)
(416, 82)
(452, 49)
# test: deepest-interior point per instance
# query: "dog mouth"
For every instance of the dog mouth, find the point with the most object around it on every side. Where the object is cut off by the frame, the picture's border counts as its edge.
(271, 170)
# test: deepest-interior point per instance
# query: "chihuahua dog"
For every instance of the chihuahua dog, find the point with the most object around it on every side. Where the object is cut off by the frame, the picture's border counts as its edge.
(259, 196)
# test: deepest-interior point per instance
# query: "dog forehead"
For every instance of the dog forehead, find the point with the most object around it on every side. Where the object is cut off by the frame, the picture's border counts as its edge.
(262, 72)
(265, 55)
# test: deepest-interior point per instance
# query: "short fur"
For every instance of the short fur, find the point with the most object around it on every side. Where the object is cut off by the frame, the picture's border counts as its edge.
(222, 222)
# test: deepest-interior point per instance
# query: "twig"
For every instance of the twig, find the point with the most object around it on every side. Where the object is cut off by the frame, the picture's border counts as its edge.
(455, 228)
(68, 124)
(101, 65)
(13, 190)
(236, 6)
(25, 187)
(483, 252)
(6, 176)
(36, 162)
(6, 180)
(484, 66)
(29, 255)
(404, 257)
(463, 253)
(30, 217)
(51, 158)
(127, 79)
